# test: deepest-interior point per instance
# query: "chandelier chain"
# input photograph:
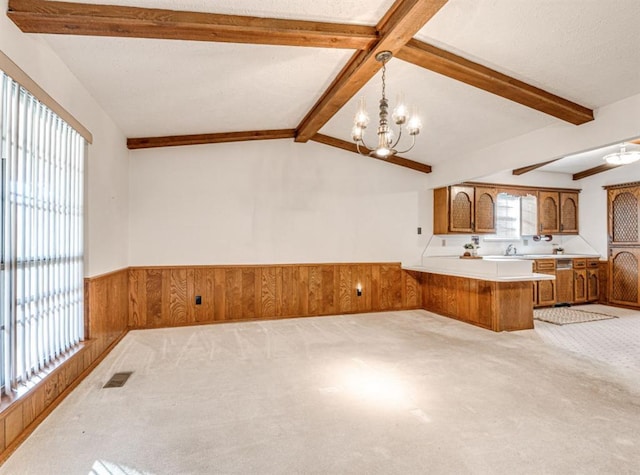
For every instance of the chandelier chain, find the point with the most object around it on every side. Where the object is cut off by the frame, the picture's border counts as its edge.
(384, 76)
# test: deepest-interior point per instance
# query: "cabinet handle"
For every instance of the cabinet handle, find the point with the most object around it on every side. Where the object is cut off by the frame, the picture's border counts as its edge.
(561, 227)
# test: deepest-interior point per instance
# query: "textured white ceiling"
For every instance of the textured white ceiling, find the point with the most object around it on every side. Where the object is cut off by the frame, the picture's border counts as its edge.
(583, 50)
(161, 87)
(587, 51)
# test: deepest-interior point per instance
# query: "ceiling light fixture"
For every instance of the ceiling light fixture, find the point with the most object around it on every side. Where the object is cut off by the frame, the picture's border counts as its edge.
(622, 157)
(386, 137)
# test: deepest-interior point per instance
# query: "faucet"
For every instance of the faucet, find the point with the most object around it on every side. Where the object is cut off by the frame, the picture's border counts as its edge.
(509, 249)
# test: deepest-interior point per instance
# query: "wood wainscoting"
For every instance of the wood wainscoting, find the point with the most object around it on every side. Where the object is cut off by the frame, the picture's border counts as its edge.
(497, 306)
(106, 311)
(166, 296)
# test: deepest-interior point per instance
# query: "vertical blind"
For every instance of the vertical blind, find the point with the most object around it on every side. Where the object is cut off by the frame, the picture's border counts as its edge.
(41, 248)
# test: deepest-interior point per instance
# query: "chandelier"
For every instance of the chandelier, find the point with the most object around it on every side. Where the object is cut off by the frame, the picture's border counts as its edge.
(387, 142)
(622, 157)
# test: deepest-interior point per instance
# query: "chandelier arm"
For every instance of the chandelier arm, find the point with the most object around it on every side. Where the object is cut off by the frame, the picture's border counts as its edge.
(364, 145)
(413, 142)
(399, 137)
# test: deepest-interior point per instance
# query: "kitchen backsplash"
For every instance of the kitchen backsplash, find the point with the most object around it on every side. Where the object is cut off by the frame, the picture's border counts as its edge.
(451, 245)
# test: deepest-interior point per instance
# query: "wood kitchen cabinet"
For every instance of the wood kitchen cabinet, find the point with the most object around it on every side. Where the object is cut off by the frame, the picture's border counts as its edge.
(568, 212)
(548, 212)
(464, 209)
(564, 286)
(558, 212)
(579, 280)
(485, 210)
(545, 289)
(623, 206)
(624, 286)
(593, 285)
(580, 286)
(472, 208)
(623, 217)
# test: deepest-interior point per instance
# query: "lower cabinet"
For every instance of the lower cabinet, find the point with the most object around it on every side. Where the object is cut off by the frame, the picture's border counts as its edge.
(593, 285)
(564, 286)
(624, 271)
(580, 286)
(545, 290)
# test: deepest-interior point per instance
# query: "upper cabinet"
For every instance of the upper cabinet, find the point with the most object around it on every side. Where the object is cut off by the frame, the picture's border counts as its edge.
(624, 210)
(548, 212)
(476, 208)
(485, 209)
(558, 212)
(461, 209)
(464, 209)
(569, 212)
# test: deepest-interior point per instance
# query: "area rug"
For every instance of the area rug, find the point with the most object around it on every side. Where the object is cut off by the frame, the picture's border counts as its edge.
(567, 315)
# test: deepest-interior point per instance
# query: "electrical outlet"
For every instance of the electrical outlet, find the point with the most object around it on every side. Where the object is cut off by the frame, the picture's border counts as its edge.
(444, 242)
(419, 230)
(198, 300)
(525, 242)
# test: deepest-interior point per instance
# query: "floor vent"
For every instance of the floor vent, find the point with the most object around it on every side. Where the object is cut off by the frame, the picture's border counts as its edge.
(118, 380)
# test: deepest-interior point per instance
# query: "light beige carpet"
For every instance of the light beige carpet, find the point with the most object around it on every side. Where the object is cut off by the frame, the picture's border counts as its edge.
(567, 315)
(383, 393)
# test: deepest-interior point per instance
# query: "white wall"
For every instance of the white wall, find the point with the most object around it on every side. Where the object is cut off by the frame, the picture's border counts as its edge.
(106, 226)
(272, 201)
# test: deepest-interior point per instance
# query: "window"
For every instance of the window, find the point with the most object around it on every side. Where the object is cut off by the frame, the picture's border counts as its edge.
(516, 216)
(507, 216)
(41, 246)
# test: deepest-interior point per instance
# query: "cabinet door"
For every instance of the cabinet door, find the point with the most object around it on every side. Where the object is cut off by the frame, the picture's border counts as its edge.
(461, 209)
(564, 286)
(485, 209)
(569, 212)
(580, 286)
(548, 212)
(593, 285)
(546, 292)
(623, 209)
(624, 288)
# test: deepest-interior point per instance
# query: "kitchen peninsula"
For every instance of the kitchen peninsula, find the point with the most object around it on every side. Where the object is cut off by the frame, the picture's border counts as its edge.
(493, 293)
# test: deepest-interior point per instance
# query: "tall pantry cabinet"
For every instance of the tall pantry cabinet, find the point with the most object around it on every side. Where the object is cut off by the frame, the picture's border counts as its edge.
(623, 210)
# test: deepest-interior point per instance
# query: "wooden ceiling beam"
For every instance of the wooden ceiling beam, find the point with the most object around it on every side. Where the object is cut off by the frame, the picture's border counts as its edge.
(40, 16)
(200, 139)
(594, 171)
(403, 20)
(351, 147)
(530, 168)
(456, 67)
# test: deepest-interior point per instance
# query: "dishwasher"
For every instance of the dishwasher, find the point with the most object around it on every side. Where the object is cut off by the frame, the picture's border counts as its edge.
(564, 282)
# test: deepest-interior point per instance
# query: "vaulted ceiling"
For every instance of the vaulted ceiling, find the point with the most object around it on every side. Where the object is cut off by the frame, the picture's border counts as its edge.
(480, 71)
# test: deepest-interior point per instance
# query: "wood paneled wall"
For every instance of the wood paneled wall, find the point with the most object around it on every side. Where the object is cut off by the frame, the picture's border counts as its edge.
(106, 311)
(497, 306)
(165, 296)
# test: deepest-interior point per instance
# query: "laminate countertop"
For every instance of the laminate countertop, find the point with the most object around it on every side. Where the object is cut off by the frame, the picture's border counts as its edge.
(495, 270)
